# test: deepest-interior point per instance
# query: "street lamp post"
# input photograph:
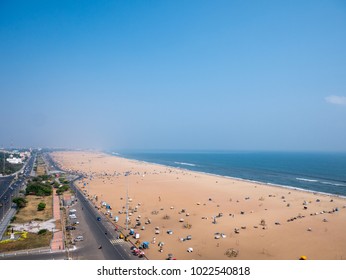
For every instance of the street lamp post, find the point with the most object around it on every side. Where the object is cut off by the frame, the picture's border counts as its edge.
(127, 200)
(2, 208)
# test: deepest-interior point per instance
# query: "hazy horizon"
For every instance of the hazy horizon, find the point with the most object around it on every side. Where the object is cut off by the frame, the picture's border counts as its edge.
(173, 75)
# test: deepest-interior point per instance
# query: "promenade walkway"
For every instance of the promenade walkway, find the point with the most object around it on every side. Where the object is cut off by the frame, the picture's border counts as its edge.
(57, 242)
(6, 221)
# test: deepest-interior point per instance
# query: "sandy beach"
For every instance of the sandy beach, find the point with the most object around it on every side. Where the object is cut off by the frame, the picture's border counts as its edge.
(225, 218)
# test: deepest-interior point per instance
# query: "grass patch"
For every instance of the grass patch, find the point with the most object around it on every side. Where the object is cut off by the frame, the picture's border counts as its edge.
(30, 212)
(41, 170)
(41, 167)
(31, 241)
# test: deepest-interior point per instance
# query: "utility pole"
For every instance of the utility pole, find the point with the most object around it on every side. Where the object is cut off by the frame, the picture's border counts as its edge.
(127, 201)
(89, 179)
(3, 166)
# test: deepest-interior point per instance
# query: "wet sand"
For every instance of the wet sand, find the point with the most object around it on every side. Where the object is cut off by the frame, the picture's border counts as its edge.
(253, 221)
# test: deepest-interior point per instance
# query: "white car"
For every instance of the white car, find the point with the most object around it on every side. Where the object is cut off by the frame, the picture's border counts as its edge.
(79, 238)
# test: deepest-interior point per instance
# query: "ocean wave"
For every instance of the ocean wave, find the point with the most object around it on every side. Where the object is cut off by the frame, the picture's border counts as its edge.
(321, 182)
(283, 178)
(333, 184)
(307, 180)
(185, 163)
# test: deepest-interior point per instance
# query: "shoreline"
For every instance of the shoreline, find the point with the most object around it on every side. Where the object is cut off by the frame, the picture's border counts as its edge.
(230, 177)
(258, 221)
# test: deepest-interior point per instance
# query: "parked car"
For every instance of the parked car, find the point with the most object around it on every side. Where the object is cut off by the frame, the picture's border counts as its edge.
(79, 238)
(70, 228)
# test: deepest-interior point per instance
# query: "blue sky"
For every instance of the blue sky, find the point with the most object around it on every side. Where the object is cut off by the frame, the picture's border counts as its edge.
(224, 75)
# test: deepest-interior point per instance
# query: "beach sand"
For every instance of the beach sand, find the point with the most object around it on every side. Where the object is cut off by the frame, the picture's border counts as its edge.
(256, 221)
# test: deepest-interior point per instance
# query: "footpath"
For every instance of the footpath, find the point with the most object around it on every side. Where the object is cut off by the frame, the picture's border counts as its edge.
(57, 243)
(6, 221)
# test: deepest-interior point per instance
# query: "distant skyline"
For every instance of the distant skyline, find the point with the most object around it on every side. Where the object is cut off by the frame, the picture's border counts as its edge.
(173, 75)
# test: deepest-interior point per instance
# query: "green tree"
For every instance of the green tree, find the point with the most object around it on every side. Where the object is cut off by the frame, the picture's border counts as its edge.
(62, 189)
(41, 206)
(20, 201)
(44, 177)
(39, 188)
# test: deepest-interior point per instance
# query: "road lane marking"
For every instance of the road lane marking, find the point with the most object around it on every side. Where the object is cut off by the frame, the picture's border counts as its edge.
(117, 241)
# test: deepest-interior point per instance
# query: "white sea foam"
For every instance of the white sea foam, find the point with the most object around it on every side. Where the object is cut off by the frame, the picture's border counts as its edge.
(185, 163)
(333, 184)
(306, 180)
(321, 182)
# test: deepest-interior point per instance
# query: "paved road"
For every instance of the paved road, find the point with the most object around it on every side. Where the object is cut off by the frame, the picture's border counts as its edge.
(98, 233)
(4, 183)
(5, 197)
(88, 249)
(95, 233)
(8, 191)
(52, 166)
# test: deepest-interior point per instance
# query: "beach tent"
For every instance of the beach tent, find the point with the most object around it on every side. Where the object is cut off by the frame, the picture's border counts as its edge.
(303, 258)
(145, 245)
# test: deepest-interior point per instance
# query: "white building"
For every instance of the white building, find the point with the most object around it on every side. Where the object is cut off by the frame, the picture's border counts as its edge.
(14, 160)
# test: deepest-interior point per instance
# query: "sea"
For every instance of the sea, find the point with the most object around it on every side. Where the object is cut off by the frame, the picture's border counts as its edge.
(315, 172)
